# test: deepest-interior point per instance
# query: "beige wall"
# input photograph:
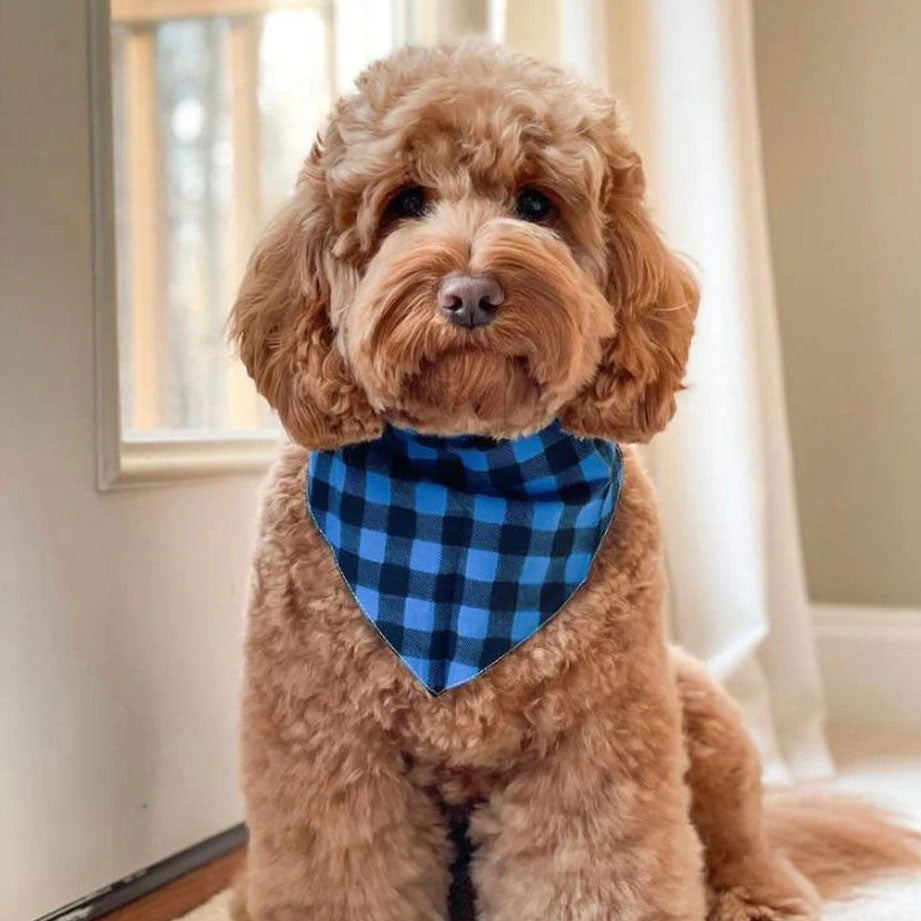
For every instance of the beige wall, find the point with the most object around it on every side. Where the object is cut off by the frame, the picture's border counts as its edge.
(840, 98)
(120, 612)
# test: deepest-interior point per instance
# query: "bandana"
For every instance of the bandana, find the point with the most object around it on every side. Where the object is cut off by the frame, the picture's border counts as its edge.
(459, 549)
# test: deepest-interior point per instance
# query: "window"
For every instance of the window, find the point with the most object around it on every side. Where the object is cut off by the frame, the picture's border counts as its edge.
(214, 104)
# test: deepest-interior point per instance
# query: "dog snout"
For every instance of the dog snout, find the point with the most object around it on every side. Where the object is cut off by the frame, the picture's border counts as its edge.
(469, 300)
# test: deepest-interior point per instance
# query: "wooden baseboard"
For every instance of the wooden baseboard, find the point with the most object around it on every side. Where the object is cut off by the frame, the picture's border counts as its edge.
(182, 895)
(871, 665)
(167, 889)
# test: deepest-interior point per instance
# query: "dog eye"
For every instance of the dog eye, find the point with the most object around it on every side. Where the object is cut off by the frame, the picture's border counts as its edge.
(532, 205)
(407, 203)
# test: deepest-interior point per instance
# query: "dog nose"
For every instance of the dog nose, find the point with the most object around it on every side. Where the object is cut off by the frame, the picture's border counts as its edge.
(469, 300)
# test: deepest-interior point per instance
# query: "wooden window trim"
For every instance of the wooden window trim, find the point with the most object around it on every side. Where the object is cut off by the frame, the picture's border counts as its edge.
(165, 456)
(162, 454)
(139, 12)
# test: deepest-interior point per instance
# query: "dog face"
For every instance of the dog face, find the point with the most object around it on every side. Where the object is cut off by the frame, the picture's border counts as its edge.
(467, 251)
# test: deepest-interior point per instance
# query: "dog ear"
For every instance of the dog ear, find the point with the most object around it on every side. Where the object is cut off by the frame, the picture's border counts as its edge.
(654, 297)
(281, 322)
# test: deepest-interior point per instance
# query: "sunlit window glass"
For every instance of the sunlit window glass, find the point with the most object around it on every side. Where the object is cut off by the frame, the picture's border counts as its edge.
(215, 105)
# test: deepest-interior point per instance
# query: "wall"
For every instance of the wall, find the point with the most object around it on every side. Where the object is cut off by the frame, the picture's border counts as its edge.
(120, 613)
(839, 103)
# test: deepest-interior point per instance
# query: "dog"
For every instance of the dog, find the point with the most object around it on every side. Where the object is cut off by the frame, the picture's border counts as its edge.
(467, 265)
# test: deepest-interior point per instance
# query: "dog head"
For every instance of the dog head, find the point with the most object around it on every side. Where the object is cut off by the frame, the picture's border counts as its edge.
(467, 251)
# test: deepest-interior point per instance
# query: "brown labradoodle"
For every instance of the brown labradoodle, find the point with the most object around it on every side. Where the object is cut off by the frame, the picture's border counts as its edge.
(596, 774)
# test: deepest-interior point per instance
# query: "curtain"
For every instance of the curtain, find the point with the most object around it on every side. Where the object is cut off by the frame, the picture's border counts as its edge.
(685, 69)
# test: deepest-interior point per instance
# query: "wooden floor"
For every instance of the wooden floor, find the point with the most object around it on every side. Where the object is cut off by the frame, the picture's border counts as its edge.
(185, 893)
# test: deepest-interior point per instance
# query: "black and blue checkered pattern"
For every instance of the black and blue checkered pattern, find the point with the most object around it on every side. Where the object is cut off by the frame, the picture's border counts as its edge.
(458, 549)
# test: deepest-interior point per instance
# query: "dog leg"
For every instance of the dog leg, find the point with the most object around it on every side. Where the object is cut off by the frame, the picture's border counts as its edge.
(598, 828)
(337, 832)
(747, 880)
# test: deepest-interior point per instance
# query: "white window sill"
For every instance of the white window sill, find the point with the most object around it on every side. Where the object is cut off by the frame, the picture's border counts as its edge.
(160, 458)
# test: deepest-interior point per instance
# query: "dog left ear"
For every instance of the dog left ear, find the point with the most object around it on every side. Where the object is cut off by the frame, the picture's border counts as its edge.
(281, 322)
(654, 297)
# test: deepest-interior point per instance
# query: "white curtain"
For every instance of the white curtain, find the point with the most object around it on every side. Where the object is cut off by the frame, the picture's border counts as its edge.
(685, 69)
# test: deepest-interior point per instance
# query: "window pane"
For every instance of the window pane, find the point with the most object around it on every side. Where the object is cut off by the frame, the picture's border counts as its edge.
(295, 93)
(212, 117)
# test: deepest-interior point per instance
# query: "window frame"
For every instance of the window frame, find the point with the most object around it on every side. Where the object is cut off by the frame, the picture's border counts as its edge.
(178, 455)
(160, 457)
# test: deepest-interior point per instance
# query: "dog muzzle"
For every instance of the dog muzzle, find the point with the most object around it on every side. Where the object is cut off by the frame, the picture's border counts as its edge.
(459, 549)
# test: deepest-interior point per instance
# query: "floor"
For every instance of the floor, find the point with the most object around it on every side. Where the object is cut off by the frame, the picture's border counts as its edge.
(884, 768)
(888, 770)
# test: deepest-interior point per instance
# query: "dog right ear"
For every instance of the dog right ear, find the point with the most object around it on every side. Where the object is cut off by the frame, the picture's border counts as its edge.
(654, 296)
(281, 322)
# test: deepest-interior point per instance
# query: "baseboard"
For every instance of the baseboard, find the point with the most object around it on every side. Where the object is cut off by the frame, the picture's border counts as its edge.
(871, 663)
(166, 889)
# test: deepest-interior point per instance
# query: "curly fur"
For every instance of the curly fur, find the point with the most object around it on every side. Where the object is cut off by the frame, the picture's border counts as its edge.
(600, 774)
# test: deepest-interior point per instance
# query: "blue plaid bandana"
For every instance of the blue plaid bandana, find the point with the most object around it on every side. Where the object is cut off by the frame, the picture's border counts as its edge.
(458, 549)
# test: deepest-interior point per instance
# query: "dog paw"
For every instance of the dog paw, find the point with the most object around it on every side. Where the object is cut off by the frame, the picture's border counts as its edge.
(762, 888)
(741, 905)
